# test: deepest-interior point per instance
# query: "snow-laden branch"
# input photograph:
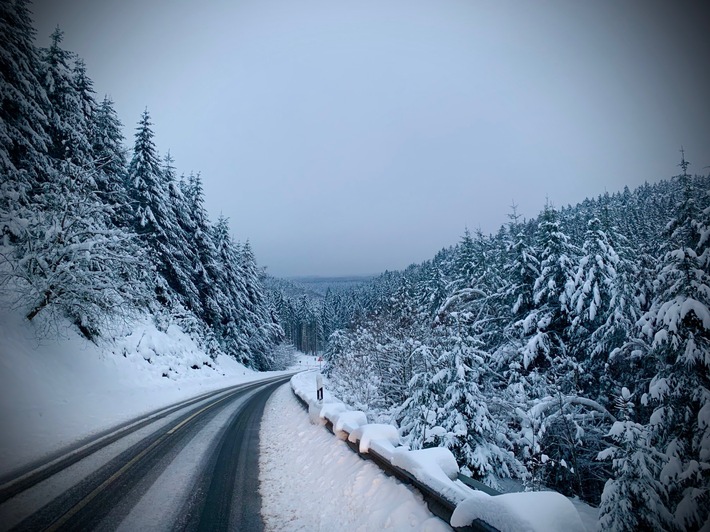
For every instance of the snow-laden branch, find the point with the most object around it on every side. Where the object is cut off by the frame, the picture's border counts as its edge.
(460, 296)
(559, 402)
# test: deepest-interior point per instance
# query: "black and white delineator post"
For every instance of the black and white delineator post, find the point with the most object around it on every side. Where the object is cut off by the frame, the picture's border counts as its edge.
(319, 386)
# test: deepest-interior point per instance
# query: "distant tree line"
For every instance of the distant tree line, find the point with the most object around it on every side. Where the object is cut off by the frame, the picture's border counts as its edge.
(94, 233)
(570, 351)
(307, 317)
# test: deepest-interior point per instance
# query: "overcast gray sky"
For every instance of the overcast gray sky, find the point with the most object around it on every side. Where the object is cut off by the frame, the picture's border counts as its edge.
(350, 137)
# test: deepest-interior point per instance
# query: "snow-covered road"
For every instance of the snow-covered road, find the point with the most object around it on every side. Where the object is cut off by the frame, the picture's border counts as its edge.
(193, 467)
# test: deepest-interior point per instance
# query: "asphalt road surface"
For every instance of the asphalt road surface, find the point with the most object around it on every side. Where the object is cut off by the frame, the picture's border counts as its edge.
(192, 466)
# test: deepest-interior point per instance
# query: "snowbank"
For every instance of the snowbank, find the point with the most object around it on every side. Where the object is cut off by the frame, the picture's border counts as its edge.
(434, 461)
(539, 511)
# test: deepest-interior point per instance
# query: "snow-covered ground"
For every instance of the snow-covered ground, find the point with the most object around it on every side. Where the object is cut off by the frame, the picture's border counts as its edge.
(53, 394)
(312, 481)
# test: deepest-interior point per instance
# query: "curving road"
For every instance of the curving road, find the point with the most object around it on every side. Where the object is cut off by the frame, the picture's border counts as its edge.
(192, 466)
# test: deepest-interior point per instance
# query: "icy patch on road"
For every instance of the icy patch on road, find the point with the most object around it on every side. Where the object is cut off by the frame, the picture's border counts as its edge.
(310, 480)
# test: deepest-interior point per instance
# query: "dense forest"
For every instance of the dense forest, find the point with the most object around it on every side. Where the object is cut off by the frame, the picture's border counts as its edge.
(570, 351)
(94, 233)
(309, 312)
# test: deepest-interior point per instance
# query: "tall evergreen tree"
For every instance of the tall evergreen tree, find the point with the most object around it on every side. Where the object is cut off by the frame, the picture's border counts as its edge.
(469, 429)
(152, 217)
(110, 161)
(633, 499)
(69, 127)
(603, 306)
(205, 268)
(85, 93)
(24, 140)
(233, 316)
(545, 325)
(417, 416)
(262, 330)
(678, 325)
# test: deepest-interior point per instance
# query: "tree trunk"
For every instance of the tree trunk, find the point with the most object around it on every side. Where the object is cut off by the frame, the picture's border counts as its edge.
(38, 308)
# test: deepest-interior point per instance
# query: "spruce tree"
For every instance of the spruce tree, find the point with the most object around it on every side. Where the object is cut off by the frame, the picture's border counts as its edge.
(469, 429)
(634, 498)
(24, 163)
(204, 269)
(152, 217)
(545, 325)
(110, 162)
(69, 125)
(603, 306)
(233, 317)
(678, 325)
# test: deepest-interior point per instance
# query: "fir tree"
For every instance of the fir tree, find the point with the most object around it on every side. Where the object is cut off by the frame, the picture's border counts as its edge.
(545, 325)
(152, 217)
(232, 316)
(603, 306)
(469, 429)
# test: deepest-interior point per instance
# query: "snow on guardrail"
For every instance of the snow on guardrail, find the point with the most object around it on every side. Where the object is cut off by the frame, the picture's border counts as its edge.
(367, 434)
(436, 470)
(510, 512)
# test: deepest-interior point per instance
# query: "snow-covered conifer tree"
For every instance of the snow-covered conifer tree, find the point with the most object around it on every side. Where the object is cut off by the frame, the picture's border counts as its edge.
(110, 162)
(603, 306)
(678, 326)
(24, 163)
(465, 424)
(69, 125)
(153, 218)
(417, 415)
(544, 326)
(633, 499)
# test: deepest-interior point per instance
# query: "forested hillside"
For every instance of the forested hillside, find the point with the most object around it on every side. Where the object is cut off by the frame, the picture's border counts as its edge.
(570, 351)
(94, 233)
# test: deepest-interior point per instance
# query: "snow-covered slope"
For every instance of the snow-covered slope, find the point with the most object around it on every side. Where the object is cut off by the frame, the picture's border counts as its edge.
(56, 392)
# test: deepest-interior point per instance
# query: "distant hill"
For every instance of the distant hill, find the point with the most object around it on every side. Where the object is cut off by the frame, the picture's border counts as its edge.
(320, 285)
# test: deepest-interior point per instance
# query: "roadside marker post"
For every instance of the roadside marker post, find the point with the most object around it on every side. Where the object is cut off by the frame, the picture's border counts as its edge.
(319, 387)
